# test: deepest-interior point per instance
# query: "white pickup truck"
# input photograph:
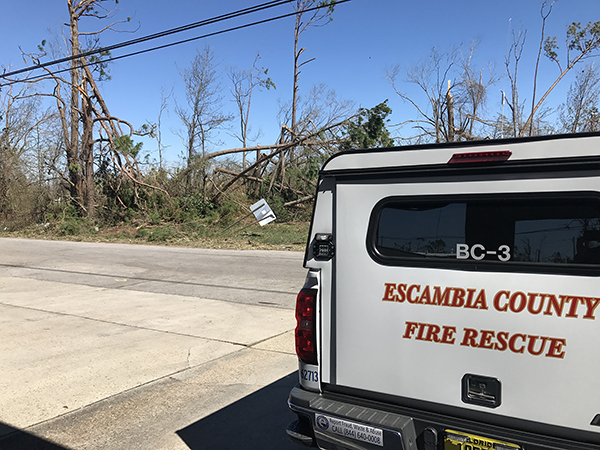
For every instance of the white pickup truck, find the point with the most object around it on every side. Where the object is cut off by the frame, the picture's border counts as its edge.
(452, 299)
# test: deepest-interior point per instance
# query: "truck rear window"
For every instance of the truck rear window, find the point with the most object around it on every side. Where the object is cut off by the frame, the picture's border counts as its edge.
(545, 232)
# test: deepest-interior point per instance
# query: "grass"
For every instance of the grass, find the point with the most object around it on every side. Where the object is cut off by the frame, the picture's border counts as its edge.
(243, 236)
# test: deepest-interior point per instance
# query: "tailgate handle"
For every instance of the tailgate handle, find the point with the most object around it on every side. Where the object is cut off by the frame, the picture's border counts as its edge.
(482, 391)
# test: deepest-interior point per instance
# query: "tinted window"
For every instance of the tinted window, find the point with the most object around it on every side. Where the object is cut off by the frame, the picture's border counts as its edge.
(424, 230)
(547, 229)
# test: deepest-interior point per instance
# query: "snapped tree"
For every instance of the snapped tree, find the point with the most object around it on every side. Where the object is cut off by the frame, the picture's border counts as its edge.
(88, 129)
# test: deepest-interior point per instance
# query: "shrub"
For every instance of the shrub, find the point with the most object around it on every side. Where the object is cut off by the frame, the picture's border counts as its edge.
(142, 233)
(161, 234)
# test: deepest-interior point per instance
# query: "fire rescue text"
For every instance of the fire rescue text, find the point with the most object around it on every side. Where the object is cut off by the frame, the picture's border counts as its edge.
(550, 347)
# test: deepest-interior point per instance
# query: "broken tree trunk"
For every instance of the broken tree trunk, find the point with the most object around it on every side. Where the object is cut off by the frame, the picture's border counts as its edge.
(259, 180)
(279, 149)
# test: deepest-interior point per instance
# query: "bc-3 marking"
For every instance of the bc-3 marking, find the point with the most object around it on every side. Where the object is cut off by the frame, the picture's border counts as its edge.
(478, 252)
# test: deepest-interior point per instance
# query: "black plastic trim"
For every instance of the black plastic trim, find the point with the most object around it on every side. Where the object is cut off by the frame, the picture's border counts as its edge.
(509, 429)
(429, 176)
(308, 247)
(517, 169)
(301, 432)
(333, 298)
(398, 431)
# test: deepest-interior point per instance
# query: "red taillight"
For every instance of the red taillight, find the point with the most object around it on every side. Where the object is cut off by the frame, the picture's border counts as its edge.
(479, 157)
(305, 328)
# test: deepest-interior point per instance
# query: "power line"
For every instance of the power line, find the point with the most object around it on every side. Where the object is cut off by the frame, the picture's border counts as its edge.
(160, 47)
(213, 20)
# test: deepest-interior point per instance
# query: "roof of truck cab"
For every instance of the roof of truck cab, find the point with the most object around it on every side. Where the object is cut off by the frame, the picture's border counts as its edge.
(579, 145)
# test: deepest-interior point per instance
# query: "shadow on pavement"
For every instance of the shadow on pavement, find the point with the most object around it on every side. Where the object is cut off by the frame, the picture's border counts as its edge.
(256, 422)
(15, 439)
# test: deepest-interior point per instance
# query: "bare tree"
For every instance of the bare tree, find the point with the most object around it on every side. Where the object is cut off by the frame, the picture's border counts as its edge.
(317, 115)
(319, 109)
(164, 107)
(430, 76)
(545, 12)
(511, 62)
(243, 84)
(306, 16)
(580, 111)
(304, 19)
(471, 92)
(202, 114)
(455, 94)
(25, 143)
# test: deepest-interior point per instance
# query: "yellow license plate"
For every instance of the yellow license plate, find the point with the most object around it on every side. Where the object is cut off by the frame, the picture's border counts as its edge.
(455, 440)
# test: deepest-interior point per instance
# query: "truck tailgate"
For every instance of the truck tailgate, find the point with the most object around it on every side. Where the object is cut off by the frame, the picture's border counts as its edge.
(513, 345)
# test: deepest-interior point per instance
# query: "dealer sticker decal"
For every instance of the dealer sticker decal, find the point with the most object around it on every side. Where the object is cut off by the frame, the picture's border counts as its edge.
(349, 429)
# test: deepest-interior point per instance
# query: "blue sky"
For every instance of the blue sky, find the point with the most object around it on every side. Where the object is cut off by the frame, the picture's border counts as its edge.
(352, 52)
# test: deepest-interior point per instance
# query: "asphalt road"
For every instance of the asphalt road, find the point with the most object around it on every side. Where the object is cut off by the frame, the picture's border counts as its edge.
(108, 346)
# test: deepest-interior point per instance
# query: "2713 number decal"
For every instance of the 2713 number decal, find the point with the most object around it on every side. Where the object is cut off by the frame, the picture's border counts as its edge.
(310, 375)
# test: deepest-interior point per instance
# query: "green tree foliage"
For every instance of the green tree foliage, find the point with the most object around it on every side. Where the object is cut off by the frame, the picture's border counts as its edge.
(369, 129)
(125, 145)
